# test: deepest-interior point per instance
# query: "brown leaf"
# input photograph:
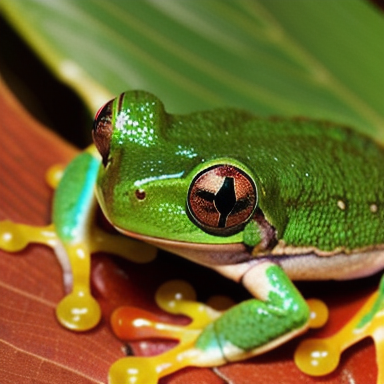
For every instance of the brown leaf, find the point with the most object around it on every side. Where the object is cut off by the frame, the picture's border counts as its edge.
(34, 348)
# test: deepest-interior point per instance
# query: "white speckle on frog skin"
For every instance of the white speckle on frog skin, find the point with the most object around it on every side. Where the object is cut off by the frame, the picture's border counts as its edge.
(373, 208)
(341, 204)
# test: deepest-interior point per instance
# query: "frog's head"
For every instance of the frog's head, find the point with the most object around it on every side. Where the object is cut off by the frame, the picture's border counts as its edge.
(155, 182)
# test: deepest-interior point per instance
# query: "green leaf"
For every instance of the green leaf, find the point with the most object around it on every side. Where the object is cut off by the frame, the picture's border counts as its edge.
(320, 59)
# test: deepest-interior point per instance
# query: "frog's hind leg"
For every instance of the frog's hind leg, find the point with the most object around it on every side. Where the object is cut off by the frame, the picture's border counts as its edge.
(213, 338)
(276, 314)
(319, 357)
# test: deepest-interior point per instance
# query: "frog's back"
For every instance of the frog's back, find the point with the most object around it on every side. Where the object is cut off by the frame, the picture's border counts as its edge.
(329, 181)
(319, 183)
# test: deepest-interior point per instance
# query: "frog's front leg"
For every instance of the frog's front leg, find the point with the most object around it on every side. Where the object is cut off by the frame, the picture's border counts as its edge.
(74, 236)
(213, 338)
(74, 211)
(73, 214)
(277, 314)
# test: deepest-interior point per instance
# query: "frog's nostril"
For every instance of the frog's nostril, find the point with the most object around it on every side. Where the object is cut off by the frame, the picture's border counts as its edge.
(140, 194)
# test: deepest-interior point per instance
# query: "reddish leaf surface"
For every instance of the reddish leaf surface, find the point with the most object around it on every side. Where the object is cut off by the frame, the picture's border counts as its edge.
(35, 349)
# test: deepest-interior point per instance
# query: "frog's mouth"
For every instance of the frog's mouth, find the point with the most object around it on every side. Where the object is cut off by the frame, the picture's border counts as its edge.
(205, 254)
(300, 264)
(211, 254)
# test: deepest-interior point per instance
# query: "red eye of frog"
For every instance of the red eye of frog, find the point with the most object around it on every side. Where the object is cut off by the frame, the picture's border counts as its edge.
(222, 199)
(102, 130)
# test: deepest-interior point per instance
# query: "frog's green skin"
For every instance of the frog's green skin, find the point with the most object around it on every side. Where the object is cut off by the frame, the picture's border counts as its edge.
(320, 186)
(319, 215)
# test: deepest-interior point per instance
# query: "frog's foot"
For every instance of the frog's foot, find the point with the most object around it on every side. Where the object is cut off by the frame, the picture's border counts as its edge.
(319, 357)
(15, 237)
(54, 175)
(78, 310)
(176, 297)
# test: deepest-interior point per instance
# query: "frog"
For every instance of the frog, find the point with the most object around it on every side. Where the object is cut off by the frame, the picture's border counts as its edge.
(263, 201)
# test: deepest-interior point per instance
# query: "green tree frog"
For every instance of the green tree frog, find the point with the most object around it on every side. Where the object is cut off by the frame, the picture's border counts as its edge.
(263, 201)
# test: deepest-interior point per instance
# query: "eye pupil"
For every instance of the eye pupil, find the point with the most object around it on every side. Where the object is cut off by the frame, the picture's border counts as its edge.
(140, 194)
(222, 199)
(225, 200)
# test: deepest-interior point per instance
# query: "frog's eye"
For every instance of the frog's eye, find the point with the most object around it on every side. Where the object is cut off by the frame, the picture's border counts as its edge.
(102, 130)
(222, 199)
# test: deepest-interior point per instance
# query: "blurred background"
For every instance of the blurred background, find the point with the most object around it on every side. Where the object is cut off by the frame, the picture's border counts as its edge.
(322, 59)
(63, 59)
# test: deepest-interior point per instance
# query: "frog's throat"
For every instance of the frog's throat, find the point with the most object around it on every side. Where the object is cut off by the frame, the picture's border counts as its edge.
(298, 262)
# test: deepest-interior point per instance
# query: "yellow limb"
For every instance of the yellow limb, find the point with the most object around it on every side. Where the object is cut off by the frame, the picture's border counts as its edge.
(15, 237)
(136, 251)
(79, 311)
(319, 357)
(176, 297)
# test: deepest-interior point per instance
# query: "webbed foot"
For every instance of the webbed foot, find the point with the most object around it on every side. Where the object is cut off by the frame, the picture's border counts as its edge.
(176, 297)
(73, 237)
(319, 357)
